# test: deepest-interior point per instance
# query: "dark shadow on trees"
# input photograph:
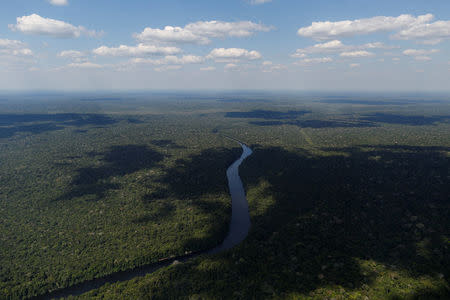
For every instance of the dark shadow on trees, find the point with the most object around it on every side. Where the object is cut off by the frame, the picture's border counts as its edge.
(200, 179)
(239, 100)
(405, 119)
(60, 119)
(317, 123)
(267, 114)
(267, 123)
(134, 121)
(164, 210)
(80, 131)
(167, 144)
(389, 204)
(100, 99)
(7, 132)
(117, 161)
(200, 174)
(40, 123)
(378, 102)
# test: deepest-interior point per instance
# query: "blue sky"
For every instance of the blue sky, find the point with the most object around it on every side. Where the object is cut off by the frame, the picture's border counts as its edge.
(350, 45)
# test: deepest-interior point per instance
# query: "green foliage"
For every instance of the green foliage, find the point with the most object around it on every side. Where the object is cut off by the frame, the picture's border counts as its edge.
(349, 200)
(82, 202)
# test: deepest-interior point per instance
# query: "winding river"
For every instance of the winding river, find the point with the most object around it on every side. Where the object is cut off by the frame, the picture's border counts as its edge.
(239, 227)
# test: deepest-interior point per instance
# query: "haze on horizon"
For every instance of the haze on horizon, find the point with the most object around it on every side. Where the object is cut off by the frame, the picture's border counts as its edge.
(256, 44)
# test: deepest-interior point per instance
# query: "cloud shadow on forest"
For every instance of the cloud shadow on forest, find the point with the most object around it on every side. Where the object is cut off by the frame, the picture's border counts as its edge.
(167, 144)
(378, 102)
(387, 203)
(414, 120)
(267, 114)
(369, 120)
(11, 124)
(197, 175)
(116, 161)
(199, 179)
(316, 123)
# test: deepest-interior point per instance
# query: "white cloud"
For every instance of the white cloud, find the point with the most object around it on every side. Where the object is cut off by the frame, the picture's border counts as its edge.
(16, 52)
(419, 52)
(231, 67)
(58, 2)
(171, 34)
(376, 45)
(353, 66)
(354, 54)
(317, 60)
(269, 66)
(11, 44)
(257, 2)
(423, 58)
(233, 54)
(171, 60)
(426, 33)
(140, 50)
(208, 69)
(37, 25)
(336, 46)
(200, 32)
(298, 54)
(85, 65)
(168, 68)
(14, 48)
(331, 30)
(71, 54)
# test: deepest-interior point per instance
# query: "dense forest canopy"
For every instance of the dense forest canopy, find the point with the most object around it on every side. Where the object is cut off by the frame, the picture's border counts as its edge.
(349, 196)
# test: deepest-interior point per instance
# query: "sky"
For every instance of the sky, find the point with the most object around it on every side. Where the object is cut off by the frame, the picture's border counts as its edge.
(320, 45)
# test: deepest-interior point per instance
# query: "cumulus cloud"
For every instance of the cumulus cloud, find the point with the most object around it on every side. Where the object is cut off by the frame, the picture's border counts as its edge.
(229, 67)
(208, 69)
(354, 54)
(257, 2)
(71, 54)
(140, 50)
(420, 54)
(336, 46)
(268, 66)
(426, 33)
(423, 58)
(330, 30)
(14, 48)
(85, 65)
(200, 32)
(167, 68)
(59, 2)
(233, 54)
(171, 60)
(171, 34)
(317, 60)
(37, 25)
